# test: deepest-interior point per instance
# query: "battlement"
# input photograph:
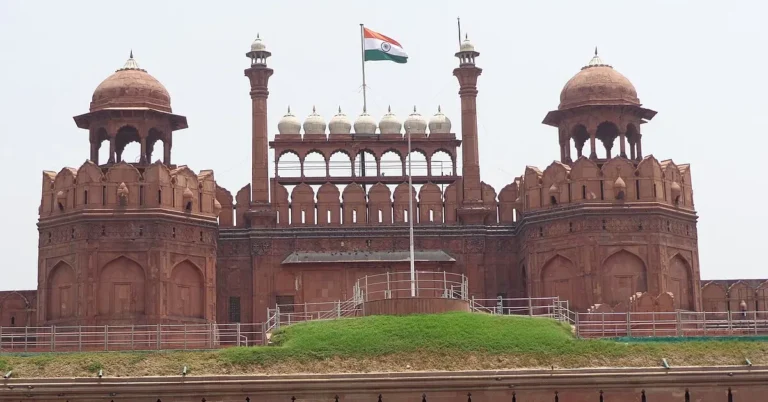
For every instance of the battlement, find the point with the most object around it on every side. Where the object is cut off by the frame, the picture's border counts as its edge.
(617, 180)
(123, 186)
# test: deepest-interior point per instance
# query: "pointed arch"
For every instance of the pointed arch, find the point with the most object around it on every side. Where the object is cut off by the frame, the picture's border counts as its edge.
(121, 289)
(624, 273)
(714, 296)
(187, 291)
(561, 278)
(680, 282)
(61, 292)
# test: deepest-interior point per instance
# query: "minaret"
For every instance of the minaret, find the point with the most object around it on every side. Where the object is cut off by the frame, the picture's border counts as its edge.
(260, 212)
(472, 210)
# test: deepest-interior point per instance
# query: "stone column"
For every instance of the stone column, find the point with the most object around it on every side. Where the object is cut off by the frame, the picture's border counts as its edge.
(639, 147)
(592, 146)
(259, 78)
(467, 76)
(622, 145)
(167, 144)
(111, 149)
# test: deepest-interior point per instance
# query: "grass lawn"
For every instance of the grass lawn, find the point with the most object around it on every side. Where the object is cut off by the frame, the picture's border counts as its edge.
(451, 341)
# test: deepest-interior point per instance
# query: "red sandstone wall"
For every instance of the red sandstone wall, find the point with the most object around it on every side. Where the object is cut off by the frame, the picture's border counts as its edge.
(17, 308)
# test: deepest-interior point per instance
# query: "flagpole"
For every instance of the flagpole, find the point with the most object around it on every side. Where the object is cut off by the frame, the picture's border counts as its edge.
(458, 22)
(410, 215)
(362, 55)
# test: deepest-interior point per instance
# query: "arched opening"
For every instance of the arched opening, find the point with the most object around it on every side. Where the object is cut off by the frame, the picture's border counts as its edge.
(128, 145)
(102, 145)
(61, 291)
(340, 164)
(365, 164)
(121, 289)
(289, 165)
(187, 298)
(561, 279)
(579, 135)
(607, 133)
(418, 161)
(391, 164)
(441, 164)
(314, 164)
(624, 274)
(679, 283)
(154, 136)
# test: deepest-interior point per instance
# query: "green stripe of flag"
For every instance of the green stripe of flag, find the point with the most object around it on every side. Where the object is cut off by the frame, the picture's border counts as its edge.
(375, 55)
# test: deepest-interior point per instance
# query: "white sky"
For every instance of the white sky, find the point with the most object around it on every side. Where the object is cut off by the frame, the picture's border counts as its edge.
(701, 64)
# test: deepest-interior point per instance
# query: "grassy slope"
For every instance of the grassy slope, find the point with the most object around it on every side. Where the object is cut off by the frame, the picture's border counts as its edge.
(453, 341)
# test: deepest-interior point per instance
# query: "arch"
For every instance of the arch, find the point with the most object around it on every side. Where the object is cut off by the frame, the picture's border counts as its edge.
(187, 298)
(430, 204)
(488, 195)
(419, 164)
(560, 278)
(391, 163)
(354, 204)
(340, 164)
(738, 292)
(623, 275)
(370, 167)
(679, 282)
(121, 289)
(328, 205)
(633, 135)
(128, 135)
(401, 204)
(153, 136)
(315, 164)
(280, 200)
(14, 310)
(714, 297)
(762, 299)
(289, 164)
(607, 132)
(61, 291)
(579, 136)
(453, 198)
(508, 198)
(101, 152)
(441, 163)
(302, 205)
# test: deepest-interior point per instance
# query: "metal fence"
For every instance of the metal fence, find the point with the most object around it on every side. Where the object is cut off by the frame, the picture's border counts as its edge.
(398, 285)
(129, 337)
(665, 324)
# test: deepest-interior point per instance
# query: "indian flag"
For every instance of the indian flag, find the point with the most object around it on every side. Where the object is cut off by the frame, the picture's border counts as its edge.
(381, 47)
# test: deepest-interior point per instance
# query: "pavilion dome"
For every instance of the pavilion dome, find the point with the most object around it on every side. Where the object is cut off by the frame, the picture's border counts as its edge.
(340, 124)
(314, 123)
(289, 124)
(598, 84)
(131, 87)
(365, 124)
(439, 123)
(390, 124)
(415, 123)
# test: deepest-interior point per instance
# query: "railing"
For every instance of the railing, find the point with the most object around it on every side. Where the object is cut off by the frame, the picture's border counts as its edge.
(550, 307)
(129, 337)
(664, 324)
(398, 285)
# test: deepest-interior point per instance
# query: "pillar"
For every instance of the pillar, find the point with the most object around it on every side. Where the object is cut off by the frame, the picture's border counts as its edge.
(592, 146)
(639, 147)
(467, 76)
(167, 144)
(111, 149)
(622, 145)
(259, 75)
(95, 152)
(143, 157)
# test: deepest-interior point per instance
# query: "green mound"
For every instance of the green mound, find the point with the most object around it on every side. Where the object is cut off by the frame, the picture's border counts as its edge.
(451, 341)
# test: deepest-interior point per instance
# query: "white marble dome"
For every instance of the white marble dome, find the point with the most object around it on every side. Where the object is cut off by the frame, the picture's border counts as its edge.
(415, 123)
(258, 45)
(390, 124)
(314, 123)
(289, 124)
(439, 123)
(466, 45)
(365, 124)
(340, 124)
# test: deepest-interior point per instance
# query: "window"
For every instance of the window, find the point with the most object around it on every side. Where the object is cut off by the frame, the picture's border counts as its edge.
(637, 189)
(13, 321)
(354, 216)
(431, 215)
(583, 192)
(303, 216)
(200, 201)
(602, 193)
(159, 196)
(85, 197)
(141, 195)
(103, 195)
(234, 309)
(328, 215)
(285, 302)
(405, 215)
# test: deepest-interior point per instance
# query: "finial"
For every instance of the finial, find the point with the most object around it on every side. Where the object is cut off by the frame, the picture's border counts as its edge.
(313, 109)
(389, 108)
(131, 55)
(289, 109)
(257, 35)
(438, 109)
(339, 109)
(414, 108)
(466, 36)
(595, 50)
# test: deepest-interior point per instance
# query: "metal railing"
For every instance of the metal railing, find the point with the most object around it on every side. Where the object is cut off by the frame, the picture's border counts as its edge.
(664, 324)
(549, 307)
(397, 285)
(129, 337)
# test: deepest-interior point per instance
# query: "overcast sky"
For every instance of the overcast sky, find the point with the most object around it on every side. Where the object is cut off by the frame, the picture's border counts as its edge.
(701, 64)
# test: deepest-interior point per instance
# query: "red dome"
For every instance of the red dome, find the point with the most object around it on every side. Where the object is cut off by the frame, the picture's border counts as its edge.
(131, 87)
(598, 84)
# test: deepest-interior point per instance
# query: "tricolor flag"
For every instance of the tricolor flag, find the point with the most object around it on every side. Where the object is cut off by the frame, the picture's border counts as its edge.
(381, 47)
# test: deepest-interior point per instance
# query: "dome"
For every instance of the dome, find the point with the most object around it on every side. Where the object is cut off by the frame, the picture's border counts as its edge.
(314, 124)
(439, 123)
(466, 45)
(131, 87)
(390, 124)
(289, 124)
(415, 123)
(598, 84)
(619, 183)
(258, 45)
(365, 124)
(340, 124)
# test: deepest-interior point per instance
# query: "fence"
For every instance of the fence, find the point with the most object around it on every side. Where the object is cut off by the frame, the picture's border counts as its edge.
(664, 324)
(129, 337)
(398, 285)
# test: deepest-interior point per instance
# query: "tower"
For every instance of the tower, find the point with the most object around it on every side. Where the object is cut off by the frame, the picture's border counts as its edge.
(128, 242)
(260, 212)
(471, 210)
